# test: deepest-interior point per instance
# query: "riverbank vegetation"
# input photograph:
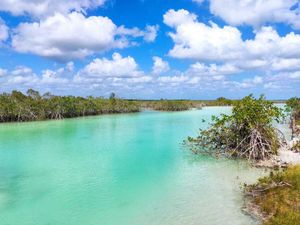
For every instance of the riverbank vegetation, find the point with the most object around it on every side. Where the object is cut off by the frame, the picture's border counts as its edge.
(246, 133)
(293, 106)
(31, 106)
(18, 107)
(278, 197)
(170, 105)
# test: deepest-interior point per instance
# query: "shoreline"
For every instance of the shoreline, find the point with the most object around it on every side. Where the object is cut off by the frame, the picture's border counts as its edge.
(286, 158)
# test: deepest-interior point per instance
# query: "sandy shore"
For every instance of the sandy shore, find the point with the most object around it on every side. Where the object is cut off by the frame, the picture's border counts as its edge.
(285, 158)
(289, 157)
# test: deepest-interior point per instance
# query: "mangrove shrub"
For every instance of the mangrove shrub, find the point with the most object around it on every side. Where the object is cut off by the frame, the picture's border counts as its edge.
(246, 133)
(18, 107)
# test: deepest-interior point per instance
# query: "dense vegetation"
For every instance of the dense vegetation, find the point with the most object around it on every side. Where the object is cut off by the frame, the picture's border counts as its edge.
(171, 105)
(19, 107)
(181, 105)
(293, 106)
(32, 106)
(246, 133)
(278, 197)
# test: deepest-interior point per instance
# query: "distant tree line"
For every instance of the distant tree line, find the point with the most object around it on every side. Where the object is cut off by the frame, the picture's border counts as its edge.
(19, 107)
(173, 105)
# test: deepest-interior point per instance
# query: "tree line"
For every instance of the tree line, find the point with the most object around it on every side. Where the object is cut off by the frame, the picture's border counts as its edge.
(32, 106)
(171, 105)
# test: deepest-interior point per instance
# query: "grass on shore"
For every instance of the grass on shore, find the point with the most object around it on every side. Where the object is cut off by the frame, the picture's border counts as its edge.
(278, 197)
(298, 122)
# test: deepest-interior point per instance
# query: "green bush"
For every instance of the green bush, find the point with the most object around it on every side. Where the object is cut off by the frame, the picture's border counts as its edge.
(278, 197)
(246, 133)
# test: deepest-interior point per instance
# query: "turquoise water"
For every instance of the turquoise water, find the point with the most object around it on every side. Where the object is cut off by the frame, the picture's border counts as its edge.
(117, 170)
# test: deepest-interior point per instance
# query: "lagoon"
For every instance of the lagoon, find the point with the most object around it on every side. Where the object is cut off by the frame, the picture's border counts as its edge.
(127, 169)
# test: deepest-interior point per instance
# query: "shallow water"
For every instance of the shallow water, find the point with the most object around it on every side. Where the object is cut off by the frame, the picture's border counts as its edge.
(117, 170)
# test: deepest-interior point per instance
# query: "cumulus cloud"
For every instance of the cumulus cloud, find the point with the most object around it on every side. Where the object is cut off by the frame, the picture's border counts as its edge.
(44, 8)
(70, 66)
(118, 66)
(149, 34)
(21, 75)
(176, 18)
(249, 83)
(22, 70)
(23, 78)
(173, 80)
(3, 31)
(104, 75)
(2, 72)
(195, 40)
(53, 77)
(199, 41)
(256, 12)
(201, 69)
(65, 37)
(119, 74)
(101, 76)
(73, 36)
(159, 65)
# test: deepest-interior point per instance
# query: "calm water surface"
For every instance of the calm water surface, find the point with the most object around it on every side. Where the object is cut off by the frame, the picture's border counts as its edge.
(117, 170)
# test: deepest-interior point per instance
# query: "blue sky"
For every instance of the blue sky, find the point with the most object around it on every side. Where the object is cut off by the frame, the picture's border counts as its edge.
(195, 49)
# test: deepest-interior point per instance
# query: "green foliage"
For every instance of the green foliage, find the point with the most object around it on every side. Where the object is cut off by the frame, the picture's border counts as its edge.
(246, 133)
(293, 107)
(172, 105)
(19, 107)
(293, 104)
(224, 101)
(278, 197)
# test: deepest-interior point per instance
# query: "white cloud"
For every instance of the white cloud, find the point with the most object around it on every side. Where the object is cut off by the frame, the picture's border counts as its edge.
(65, 37)
(70, 66)
(159, 66)
(53, 77)
(256, 12)
(287, 76)
(249, 83)
(267, 51)
(100, 77)
(175, 18)
(21, 75)
(286, 64)
(200, 69)
(118, 66)
(271, 85)
(196, 40)
(173, 80)
(268, 44)
(23, 78)
(44, 8)
(22, 70)
(3, 31)
(2, 72)
(151, 33)
(257, 80)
